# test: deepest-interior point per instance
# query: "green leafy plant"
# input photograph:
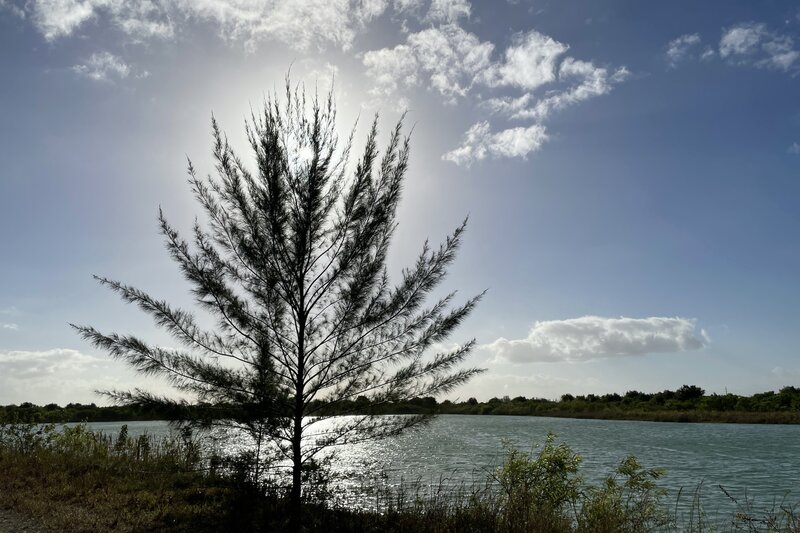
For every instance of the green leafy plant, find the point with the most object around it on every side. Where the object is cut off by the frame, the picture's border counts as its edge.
(538, 489)
(628, 501)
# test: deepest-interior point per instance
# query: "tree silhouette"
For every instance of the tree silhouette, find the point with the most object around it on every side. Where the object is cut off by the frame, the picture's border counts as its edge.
(291, 262)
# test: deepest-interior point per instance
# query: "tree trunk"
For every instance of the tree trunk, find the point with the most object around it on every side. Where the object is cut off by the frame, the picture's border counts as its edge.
(296, 507)
(297, 436)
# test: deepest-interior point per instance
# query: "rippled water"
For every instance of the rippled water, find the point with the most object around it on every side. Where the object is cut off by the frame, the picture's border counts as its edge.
(759, 462)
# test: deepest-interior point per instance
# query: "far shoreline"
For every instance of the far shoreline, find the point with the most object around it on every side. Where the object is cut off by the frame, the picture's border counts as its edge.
(687, 404)
(675, 417)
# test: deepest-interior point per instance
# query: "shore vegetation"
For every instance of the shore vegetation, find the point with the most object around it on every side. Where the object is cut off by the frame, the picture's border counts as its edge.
(75, 480)
(688, 403)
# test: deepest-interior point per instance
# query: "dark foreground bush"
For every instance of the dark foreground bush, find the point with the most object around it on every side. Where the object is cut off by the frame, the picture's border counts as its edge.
(71, 479)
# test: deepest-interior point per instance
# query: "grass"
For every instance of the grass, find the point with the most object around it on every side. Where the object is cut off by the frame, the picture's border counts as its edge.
(71, 479)
(76, 480)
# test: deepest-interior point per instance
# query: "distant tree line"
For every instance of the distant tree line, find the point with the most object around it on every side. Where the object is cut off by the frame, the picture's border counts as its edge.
(687, 398)
(688, 403)
(72, 412)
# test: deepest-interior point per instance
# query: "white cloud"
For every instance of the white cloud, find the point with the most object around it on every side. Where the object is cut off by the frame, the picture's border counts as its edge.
(10, 326)
(324, 76)
(392, 69)
(794, 148)
(456, 64)
(14, 9)
(537, 385)
(23, 365)
(745, 44)
(443, 57)
(594, 337)
(413, 7)
(479, 142)
(511, 106)
(580, 80)
(755, 45)
(742, 39)
(708, 54)
(788, 374)
(591, 81)
(139, 19)
(452, 57)
(448, 10)
(57, 18)
(447, 57)
(142, 19)
(103, 66)
(63, 375)
(681, 48)
(301, 24)
(530, 62)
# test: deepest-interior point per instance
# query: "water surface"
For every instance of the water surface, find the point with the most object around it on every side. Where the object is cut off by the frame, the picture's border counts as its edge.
(760, 463)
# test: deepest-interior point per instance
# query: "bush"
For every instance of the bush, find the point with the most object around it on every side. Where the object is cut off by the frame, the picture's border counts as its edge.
(539, 490)
(631, 505)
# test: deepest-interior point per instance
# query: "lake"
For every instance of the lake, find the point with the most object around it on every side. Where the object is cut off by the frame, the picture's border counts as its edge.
(760, 463)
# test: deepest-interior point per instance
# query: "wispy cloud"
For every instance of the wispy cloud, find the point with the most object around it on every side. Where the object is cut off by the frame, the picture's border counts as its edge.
(142, 20)
(301, 24)
(750, 44)
(536, 385)
(12, 8)
(788, 374)
(447, 59)
(457, 64)
(480, 142)
(59, 375)
(528, 63)
(57, 18)
(448, 10)
(593, 337)
(681, 48)
(754, 44)
(589, 81)
(9, 312)
(794, 148)
(441, 55)
(103, 66)
(138, 19)
(21, 364)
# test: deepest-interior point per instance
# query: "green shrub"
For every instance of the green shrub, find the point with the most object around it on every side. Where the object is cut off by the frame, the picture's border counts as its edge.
(627, 502)
(540, 490)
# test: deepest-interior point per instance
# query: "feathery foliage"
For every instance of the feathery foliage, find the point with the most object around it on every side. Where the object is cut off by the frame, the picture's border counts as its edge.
(292, 264)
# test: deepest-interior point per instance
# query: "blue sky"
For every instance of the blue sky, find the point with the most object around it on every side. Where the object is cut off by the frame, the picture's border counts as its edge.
(631, 171)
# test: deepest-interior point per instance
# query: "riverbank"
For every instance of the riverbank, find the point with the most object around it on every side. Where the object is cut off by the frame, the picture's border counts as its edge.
(76, 480)
(687, 404)
(683, 416)
(718, 417)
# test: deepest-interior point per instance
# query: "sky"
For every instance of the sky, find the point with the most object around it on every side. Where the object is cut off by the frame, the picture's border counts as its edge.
(630, 171)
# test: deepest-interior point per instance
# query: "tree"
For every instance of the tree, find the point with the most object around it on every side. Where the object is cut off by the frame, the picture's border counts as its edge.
(689, 392)
(291, 262)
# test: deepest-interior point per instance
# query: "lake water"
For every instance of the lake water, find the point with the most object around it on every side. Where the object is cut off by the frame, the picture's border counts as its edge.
(760, 463)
